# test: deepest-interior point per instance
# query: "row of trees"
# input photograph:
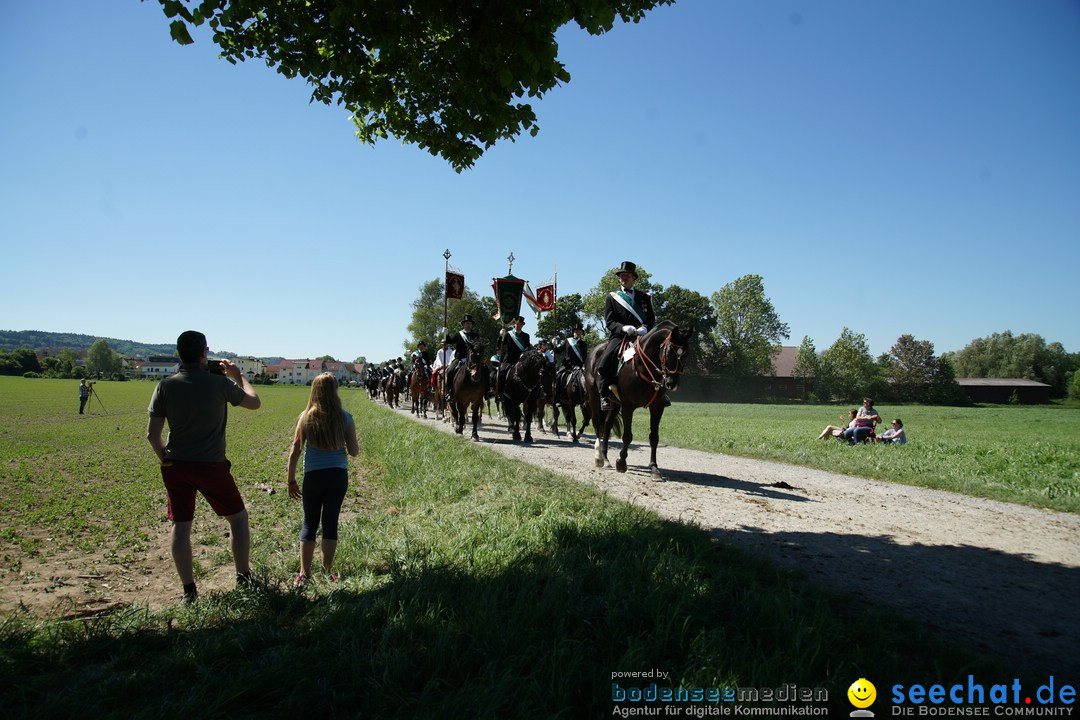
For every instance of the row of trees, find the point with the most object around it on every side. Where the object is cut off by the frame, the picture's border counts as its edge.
(911, 372)
(101, 361)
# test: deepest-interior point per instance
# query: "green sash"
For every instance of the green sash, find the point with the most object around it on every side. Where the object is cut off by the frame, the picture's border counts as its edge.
(628, 302)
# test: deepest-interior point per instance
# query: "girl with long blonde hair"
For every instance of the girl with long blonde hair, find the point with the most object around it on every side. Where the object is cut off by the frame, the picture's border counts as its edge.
(328, 432)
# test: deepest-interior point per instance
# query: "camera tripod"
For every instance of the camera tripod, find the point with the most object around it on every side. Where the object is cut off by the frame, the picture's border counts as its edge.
(94, 393)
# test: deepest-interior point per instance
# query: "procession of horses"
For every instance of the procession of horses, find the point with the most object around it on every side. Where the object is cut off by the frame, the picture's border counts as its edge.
(650, 366)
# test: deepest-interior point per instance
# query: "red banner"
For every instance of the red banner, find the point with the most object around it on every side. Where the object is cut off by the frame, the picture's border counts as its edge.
(455, 285)
(545, 298)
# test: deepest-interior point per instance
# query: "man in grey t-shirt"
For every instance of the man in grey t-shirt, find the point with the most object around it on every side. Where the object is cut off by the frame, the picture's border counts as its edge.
(194, 402)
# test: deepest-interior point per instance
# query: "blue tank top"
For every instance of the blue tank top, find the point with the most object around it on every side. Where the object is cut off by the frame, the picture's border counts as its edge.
(319, 459)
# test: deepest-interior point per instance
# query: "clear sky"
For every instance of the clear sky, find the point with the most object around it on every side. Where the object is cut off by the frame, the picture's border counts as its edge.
(893, 167)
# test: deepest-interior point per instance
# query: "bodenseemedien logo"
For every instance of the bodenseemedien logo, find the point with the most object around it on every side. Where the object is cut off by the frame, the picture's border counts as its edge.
(862, 694)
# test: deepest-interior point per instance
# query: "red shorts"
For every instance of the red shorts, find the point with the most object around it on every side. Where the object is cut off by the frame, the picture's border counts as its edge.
(213, 479)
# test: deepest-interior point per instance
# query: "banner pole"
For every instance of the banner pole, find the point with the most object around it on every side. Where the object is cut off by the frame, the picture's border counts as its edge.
(446, 290)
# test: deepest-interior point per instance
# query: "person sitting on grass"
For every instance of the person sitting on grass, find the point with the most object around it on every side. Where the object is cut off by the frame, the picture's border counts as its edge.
(894, 435)
(865, 420)
(838, 430)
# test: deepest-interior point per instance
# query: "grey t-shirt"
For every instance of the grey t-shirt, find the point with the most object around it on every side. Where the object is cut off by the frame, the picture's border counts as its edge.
(195, 404)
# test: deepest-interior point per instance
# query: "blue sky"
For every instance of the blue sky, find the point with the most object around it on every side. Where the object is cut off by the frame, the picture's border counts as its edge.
(893, 167)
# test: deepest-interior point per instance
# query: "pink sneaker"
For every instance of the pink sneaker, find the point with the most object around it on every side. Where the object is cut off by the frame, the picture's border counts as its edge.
(301, 578)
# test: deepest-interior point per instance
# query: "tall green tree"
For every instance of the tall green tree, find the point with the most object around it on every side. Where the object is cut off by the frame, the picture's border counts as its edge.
(915, 374)
(847, 371)
(748, 326)
(101, 359)
(569, 309)
(806, 365)
(447, 76)
(689, 308)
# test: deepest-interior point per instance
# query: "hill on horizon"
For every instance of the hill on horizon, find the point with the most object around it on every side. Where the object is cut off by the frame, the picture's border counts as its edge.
(40, 340)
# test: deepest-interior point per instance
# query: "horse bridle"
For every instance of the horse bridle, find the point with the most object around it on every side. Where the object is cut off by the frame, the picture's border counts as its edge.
(646, 370)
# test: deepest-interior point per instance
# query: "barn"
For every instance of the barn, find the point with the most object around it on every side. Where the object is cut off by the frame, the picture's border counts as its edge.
(1003, 390)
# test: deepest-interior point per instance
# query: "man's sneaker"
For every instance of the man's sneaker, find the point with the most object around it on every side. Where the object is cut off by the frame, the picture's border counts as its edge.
(191, 594)
(301, 578)
(244, 579)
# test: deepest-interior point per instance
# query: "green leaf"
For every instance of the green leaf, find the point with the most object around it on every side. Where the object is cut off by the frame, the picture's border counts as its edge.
(178, 30)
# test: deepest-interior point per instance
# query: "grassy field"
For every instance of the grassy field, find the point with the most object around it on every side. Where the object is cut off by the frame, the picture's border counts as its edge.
(1028, 455)
(472, 586)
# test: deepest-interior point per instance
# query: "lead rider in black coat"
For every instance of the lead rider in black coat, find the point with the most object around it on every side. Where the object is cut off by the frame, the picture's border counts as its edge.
(628, 313)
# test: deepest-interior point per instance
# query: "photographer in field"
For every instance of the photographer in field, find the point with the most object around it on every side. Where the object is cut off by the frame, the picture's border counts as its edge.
(195, 403)
(85, 389)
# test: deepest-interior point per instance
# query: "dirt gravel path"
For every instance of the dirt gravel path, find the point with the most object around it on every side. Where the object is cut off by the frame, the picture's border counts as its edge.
(1003, 578)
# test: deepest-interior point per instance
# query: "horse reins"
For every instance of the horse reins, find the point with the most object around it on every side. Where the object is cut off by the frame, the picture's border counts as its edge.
(649, 374)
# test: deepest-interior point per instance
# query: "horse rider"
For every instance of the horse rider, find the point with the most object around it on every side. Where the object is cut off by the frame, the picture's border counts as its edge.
(573, 350)
(628, 313)
(420, 353)
(460, 341)
(543, 348)
(514, 343)
(443, 357)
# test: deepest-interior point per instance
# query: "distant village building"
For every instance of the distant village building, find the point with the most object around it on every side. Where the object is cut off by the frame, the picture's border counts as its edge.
(157, 366)
(302, 372)
(249, 366)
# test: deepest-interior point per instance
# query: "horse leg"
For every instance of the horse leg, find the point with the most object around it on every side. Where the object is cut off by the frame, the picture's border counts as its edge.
(476, 412)
(627, 437)
(530, 410)
(656, 411)
(459, 416)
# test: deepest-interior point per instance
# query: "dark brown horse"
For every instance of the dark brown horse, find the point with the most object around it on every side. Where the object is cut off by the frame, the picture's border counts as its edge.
(655, 369)
(520, 391)
(393, 384)
(419, 388)
(469, 387)
(438, 377)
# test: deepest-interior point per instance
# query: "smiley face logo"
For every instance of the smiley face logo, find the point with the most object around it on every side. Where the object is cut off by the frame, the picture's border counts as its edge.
(862, 693)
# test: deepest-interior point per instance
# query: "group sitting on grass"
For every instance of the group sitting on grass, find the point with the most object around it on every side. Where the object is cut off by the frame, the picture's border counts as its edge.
(861, 426)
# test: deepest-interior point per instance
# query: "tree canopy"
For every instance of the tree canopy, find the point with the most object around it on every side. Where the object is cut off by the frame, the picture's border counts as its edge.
(446, 75)
(102, 359)
(1004, 355)
(748, 325)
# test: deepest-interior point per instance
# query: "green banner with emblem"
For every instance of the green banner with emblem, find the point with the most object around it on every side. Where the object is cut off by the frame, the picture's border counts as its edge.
(507, 297)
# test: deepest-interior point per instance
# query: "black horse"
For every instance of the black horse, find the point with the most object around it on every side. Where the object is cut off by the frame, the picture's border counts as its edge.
(469, 387)
(654, 370)
(521, 389)
(569, 393)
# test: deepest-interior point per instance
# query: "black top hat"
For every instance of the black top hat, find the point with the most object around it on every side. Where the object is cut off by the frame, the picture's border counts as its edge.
(466, 318)
(629, 267)
(577, 326)
(420, 343)
(520, 319)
